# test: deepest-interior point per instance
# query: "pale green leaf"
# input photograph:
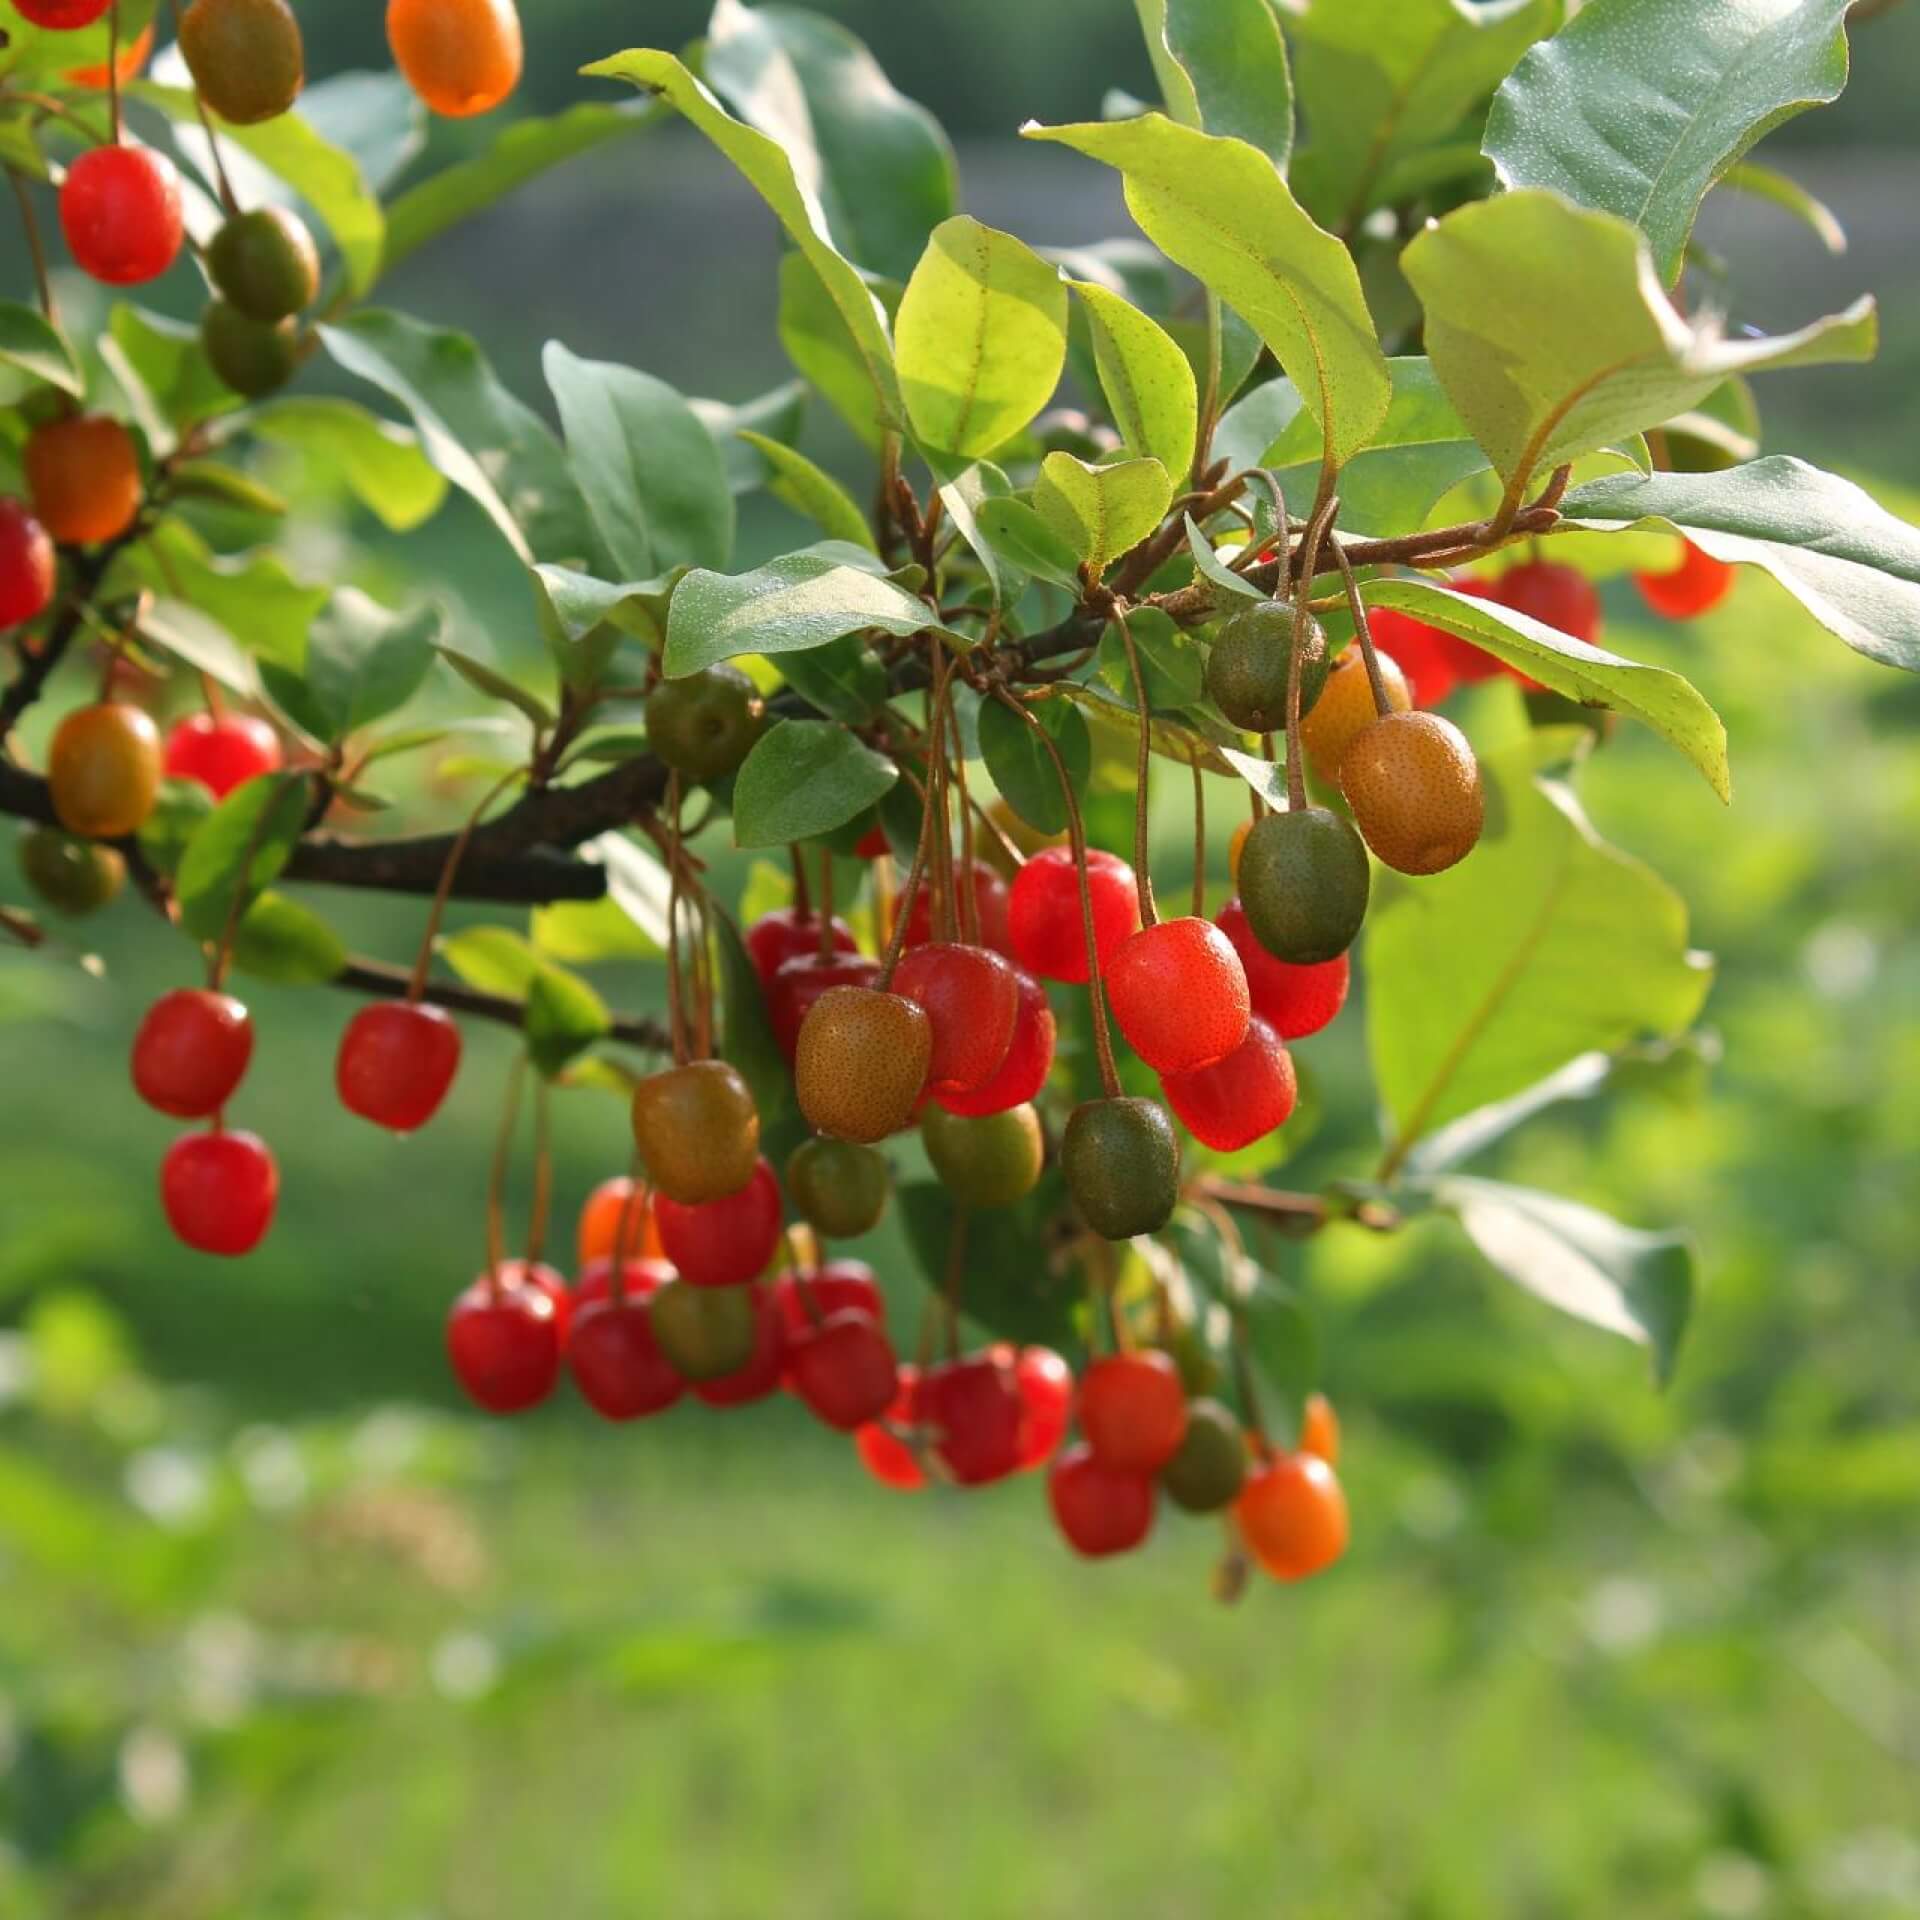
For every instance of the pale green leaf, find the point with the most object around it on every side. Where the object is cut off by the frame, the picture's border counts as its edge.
(381, 461)
(1768, 183)
(811, 490)
(1148, 381)
(31, 342)
(280, 940)
(238, 850)
(1101, 512)
(1222, 67)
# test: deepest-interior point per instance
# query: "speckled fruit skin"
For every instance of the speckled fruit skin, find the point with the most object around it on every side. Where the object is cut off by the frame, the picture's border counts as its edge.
(1293, 1515)
(1211, 1465)
(885, 1456)
(1029, 1058)
(973, 1411)
(616, 1360)
(104, 769)
(698, 1131)
(120, 211)
(191, 1051)
(971, 996)
(219, 1191)
(245, 57)
(396, 1064)
(780, 936)
(28, 565)
(504, 1343)
(1304, 883)
(221, 751)
(845, 1370)
(724, 1242)
(839, 1189)
(1179, 994)
(801, 981)
(1414, 787)
(704, 725)
(1044, 920)
(1230, 1103)
(1249, 666)
(1121, 1159)
(462, 57)
(1099, 1510)
(1696, 585)
(993, 1161)
(1133, 1410)
(1346, 710)
(83, 476)
(862, 1063)
(265, 263)
(73, 876)
(1294, 1001)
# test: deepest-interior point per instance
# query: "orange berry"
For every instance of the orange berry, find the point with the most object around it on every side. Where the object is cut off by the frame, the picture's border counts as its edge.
(1320, 1429)
(862, 1063)
(104, 769)
(1293, 1515)
(1345, 711)
(84, 476)
(133, 56)
(461, 57)
(611, 1212)
(1414, 787)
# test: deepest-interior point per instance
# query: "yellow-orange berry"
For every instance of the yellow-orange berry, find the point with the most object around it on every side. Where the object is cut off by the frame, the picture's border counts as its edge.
(862, 1063)
(1345, 710)
(84, 476)
(1414, 787)
(461, 57)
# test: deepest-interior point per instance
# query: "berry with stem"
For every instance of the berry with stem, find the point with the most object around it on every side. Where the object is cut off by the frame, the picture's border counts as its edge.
(221, 750)
(1295, 1001)
(1028, 1063)
(1414, 788)
(73, 876)
(971, 998)
(1694, 585)
(265, 264)
(974, 1415)
(1293, 1515)
(462, 57)
(1205, 1475)
(219, 1191)
(103, 769)
(1133, 1410)
(724, 1242)
(617, 1362)
(881, 1451)
(245, 57)
(845, 1370)
(504, 1341)
(191, 1052)
(1044, 918)
(28, 565)
(1121, 1160)
(121, 213)
(1099, 1510)
(839, 1189)
(1179, 994)
(697, 1130)
(706, 1333)
(1232, 1102)
(396, 1063)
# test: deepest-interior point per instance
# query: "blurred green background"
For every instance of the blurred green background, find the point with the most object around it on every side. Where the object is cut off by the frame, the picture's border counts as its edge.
(285, 1636)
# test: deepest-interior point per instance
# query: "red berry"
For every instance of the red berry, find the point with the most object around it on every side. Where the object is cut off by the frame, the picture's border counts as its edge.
(26, 564)
(538, 1274)
(801, 981)
(120, 210)
(873, 844)
(1029, 1058)
(975, 1416)
(763, 1373)
(783, 935)
(1179, 994)
(972, 1001)
(503, 1338)
(191, 1052)
(222, 751)
(1046, 1402)
(617, 1363)
(1557, 596)
(642, 1277)
(1293, 1515)
(1695, 586)
(1293, 1001)
(219, 1191)
(61, 15)
(1243, 1098)
(990, 898)
(1100, 1510)
(396, 1063)
(845, 1369)
(841, 1286)
(1423, 652)
(888, 1458)
(723, 1243)
(1133, 1410)
(1044, 922)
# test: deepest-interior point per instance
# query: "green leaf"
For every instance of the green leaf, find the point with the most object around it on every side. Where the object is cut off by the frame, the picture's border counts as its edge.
(495, 960)
(1213, 568)
(278, 939)
(381, 461)
(1021, 539)
(1655, 696)
(31, 342)
(377, 118)
(747, 1043)
(521, 153)
(1022, 768)
(814, 337)
(777, 415)
(238, 849)
(1383, 81)
(1147, 380)
(228, 486)
(1101, 512)
(771, 173)
(177, 815)
(1767, 183)
(1170, 662)
(811, 490)
(981, 337)
(1548, 329)
(799, 601)
(1848, 561)
(805, 777)
(488, 679)
(167, 378)
(363, 661)
(879, 165)
(1220, 209)
(845, 679)
(564, 1017)
(1282, 1339)
(1011, 1289)
(1546, 943)
(583, 933)
(491, 446)
(203, 643)
(1222, 67)
(636, 883)
(52, 51)
(1638, 106)
(1638, 1285)
(965, 497)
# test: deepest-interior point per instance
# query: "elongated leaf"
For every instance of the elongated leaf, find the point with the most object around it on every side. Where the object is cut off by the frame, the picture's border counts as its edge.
(770, 172)
(805, 777)
(279, 939)
(1545, 944)
(381, 461)
(169, 382)
(1148, 381)
(260, 608)
(1383, 81)
(965, 497)
(1101, 512)
(1222, 67)
(1551, 335)
(1022, 768)
(488, 679)
(1023, 540)
(1768, 183)
(564, 1017)
(1220, 209)
(492, 960)
(363, 661)
(1658, 698)
(1213, 568)
(811, 490)
(238, 849)
(203, 643)
(1638, 1285)
(814, 337)
(646, 466)
(1639, 106)
(1170, 662)
(845, 679)
(31, 342)
(777, 414)
(981, 337)
(878, 164)
(1848, 561)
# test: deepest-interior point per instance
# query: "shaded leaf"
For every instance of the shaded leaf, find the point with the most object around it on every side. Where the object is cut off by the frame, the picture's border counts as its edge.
(29, 341)
(363, 661)
(1101, 512)
(238, 849)
(1021, 767)
(381, 462)
(279, 939)
(805, 777)
(1012, 1288)
(811, 490)
(1222, 67)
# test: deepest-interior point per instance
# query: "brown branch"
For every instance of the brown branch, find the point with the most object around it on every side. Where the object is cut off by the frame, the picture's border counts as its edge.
(382, 982)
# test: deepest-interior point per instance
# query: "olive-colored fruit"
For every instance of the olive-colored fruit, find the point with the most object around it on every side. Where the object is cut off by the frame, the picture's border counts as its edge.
(103, 769)
(265, 263)
(1206, 1473)
(705, 725)
(1248, 669)
(991, 1161)
(1345, 710)
(252, 357)
(73, 876)
(245, 57)
(1121, 1159)
(698, 1131)
(705, 1332)
(861, 1065)
(838, 1189)
(1414, 787)
(1304, 882)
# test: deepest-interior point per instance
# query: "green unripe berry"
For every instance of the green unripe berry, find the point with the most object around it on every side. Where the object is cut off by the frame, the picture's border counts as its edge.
(1304, 882)
(991, 1161)
(73, 876)
(265, 263)
(251, 356)
(839, 1189)
(1206, 1473)
(1248, 668)
(705, 725)
(705, 1332)
(1122, 1165)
